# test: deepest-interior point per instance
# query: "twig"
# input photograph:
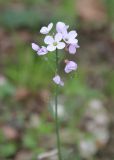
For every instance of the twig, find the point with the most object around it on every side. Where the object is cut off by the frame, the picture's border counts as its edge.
(47, 154)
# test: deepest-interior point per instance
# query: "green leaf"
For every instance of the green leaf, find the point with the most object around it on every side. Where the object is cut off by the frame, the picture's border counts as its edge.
(7, 150)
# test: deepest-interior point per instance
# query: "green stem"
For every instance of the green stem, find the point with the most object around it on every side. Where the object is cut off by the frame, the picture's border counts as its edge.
(56, 111)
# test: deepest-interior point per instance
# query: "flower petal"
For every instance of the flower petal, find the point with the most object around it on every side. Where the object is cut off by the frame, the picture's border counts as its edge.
(44, 30)
(70, 66)
(35, 47)
(50, 26)
(48, 40)
(73, 41)
(72, 34)
(51, 48)
(77, 46)
(72, 49)
(60, 45)
(58, 81)
(60, 26)
(58, 37)
(42, 51)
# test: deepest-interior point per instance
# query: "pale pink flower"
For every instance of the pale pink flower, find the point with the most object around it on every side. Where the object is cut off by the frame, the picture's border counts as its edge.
(35, 47)
(70, 37)
(46, 30)
(40, 50)
(61, 27)
(72, 48)
(54, 43)
(58, 81)
(70, 66)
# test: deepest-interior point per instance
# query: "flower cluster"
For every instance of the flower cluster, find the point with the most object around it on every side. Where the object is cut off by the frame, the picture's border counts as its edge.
(59, 40)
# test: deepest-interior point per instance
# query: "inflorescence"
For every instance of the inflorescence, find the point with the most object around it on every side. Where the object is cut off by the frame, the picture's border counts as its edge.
(60, 40)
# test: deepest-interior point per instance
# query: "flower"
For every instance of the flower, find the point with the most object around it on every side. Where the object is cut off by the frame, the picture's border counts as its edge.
(35, 47)
(54, 43)
(40, 51)
(72, 48)
(70, 38)
(70, 66)
(58, 81)
(61, 27)
(46, 30)
(61, 39)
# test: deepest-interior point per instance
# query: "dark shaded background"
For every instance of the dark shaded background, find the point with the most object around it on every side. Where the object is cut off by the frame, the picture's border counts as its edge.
(26, 89)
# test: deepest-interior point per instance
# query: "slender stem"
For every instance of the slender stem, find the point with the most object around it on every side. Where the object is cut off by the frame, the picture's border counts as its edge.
(57, 62)
(56, 111)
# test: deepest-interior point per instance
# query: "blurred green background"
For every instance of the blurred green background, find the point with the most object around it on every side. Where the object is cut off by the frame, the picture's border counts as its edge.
(86, 103)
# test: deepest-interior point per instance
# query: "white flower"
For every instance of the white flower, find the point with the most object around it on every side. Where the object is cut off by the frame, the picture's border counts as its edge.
(46, 30)
(73, 48)
(61, 27)
(70, 66)
(57, 80)
(40, 50)
(54, 43)
(70, 38)
(35, 47)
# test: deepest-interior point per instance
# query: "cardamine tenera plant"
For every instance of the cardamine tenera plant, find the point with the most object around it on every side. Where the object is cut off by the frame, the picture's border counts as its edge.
(61, 39)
